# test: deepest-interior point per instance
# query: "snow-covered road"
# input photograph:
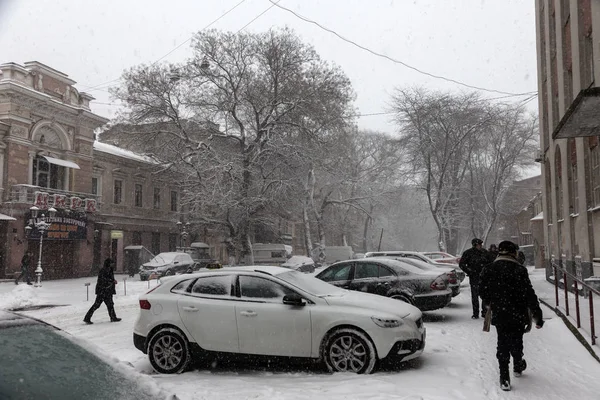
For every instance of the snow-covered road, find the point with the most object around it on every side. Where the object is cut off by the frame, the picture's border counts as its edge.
(458, 363)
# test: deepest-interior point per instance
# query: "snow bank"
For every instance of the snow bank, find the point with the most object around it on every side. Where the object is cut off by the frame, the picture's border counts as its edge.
(21, 296)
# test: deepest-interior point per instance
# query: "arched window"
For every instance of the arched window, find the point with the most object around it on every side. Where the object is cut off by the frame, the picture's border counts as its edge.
(48, 175)
(558, 183)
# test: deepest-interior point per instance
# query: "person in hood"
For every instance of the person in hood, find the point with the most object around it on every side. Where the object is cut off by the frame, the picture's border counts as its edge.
(506, 287)
(105, 289)
(493, 251)
(472, 262)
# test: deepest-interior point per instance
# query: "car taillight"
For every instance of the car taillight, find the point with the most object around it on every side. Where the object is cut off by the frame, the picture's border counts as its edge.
(452, 278)
(438, 284)
(145, 304)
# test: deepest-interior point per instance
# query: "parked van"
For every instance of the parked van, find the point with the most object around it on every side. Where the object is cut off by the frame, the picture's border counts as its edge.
(338, 253)
(271, 253)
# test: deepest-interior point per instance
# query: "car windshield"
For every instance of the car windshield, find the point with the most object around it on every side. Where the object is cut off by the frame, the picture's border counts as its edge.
(39, 362)
(309, 284)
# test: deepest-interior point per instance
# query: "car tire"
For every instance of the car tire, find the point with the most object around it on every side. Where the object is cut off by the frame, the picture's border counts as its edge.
(403, 298)
(169, 351)
(349, 350)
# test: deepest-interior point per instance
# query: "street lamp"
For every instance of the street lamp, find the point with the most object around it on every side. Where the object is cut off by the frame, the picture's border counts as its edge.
(41, 226)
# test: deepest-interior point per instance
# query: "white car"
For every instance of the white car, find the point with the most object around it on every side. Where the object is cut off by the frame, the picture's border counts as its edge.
(273, 311)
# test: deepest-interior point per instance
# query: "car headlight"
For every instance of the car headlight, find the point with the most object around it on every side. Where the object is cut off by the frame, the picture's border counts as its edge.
(387, 323)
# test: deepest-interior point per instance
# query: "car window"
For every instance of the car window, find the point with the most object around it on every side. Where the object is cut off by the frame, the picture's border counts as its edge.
(255, 287)
(182, 286)
(363, 271)
(385, 272)
(219, 285)
(336, 273)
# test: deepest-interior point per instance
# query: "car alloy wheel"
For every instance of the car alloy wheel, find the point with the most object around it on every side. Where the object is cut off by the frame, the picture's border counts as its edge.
(349, 350)
(168, 351)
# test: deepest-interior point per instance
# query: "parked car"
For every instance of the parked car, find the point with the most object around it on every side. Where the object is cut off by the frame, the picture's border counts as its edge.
(417, 256)
(165, 264)
(300, 263)
(41, 362)
(441, 257)
(450, 274)
(398, 280)
(276, 312)
(200, 253)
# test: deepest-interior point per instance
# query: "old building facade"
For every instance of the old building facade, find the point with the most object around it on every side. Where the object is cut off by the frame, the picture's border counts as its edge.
(46, 153)
(568, 34)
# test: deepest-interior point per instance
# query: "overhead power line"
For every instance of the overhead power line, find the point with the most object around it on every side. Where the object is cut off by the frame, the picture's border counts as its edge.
(100, 86)
(310, 21)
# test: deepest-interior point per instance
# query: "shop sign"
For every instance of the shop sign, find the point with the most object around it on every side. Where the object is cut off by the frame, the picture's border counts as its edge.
(72, 226)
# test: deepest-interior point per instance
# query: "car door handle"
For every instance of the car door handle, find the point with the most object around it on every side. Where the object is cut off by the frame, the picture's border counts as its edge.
(248, 313)
(190, 309)
(383, 284)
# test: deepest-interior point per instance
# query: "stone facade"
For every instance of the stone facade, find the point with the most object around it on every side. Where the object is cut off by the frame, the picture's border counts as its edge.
(568, 32)
(46, 138)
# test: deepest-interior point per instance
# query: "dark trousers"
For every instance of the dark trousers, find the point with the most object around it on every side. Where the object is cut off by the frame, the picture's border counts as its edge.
(510, 343)
(475, 299)
(110, 305)
(24, 273)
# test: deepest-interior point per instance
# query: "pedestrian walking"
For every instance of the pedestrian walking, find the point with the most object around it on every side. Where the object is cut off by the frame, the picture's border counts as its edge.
(506, 287)
(472, 262)
(25, 266)
(105, 289)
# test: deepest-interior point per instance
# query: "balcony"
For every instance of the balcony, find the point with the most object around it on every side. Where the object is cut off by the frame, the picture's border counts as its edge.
(26, 194)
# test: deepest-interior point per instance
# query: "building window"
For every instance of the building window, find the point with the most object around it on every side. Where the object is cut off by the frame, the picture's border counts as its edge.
(548, 215)
(48, 175)
(138, 195)
(157, 198)
(595, 164)
(118, 191)
(94, 185)
(137, 238)
(156, 242)
(174, 206)
(559, 188)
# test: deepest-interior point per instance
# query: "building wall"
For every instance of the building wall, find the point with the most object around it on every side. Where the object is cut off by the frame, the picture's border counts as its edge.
(43, 114)
(568, 34)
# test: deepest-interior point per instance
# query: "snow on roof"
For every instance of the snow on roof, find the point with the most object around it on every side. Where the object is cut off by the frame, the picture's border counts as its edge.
(117, 151)
(538, 217)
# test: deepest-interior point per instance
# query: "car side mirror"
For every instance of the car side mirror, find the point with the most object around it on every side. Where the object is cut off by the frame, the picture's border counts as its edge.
(294, 300)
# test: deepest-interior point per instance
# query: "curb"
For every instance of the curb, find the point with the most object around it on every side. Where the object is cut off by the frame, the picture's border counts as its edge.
(573, 330)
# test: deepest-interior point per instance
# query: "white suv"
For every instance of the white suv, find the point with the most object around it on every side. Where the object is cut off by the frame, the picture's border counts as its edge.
(263, 310)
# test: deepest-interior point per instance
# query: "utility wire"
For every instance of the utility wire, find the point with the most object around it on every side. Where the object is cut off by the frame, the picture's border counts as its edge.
(99, 87)
(310, 21)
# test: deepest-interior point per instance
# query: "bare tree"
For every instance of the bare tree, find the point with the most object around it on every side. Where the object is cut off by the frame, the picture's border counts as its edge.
(260, 89)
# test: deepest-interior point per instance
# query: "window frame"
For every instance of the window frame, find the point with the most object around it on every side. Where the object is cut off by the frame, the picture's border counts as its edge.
(138, 195)
(174, 204)
(156, 198)
(119, 191)
(279, 300)
(595, 173)
(230, 296)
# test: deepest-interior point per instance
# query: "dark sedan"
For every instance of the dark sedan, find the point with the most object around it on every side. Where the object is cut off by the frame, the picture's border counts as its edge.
(427, 290)
(450, 275)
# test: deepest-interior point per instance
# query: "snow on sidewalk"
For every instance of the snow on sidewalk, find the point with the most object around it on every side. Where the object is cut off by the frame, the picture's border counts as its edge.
(458, 363)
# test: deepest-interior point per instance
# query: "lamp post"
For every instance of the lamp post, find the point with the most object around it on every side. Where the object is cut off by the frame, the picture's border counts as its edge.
(183, 233)
(41, 226)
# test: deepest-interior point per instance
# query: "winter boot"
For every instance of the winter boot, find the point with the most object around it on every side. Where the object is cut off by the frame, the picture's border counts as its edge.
(519, 367)
(115, 319)
(87, 321)
(505, 384)
(475, 316)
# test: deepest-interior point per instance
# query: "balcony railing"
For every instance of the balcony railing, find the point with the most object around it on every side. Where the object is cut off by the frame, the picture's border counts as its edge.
(25, 194)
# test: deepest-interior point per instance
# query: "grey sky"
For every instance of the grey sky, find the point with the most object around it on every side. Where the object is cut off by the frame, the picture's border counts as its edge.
(488, 43)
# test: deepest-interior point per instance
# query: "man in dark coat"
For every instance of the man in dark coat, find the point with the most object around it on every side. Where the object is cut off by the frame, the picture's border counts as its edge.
(105, 288)
(472, 262)
(25, 265)
(506, 287)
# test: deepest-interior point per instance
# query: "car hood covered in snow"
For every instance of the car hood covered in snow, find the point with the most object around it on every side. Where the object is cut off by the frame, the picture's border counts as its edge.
(373, 302)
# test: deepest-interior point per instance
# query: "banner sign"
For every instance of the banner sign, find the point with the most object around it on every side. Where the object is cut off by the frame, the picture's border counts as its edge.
(60, 227)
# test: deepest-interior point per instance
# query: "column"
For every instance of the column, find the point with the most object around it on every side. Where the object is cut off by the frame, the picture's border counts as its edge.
(30, 173)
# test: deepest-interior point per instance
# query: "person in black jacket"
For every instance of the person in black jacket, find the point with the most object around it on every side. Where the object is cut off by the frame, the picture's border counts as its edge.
(506, 287)
(25, 265)
(472, 262)
(105, 288)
